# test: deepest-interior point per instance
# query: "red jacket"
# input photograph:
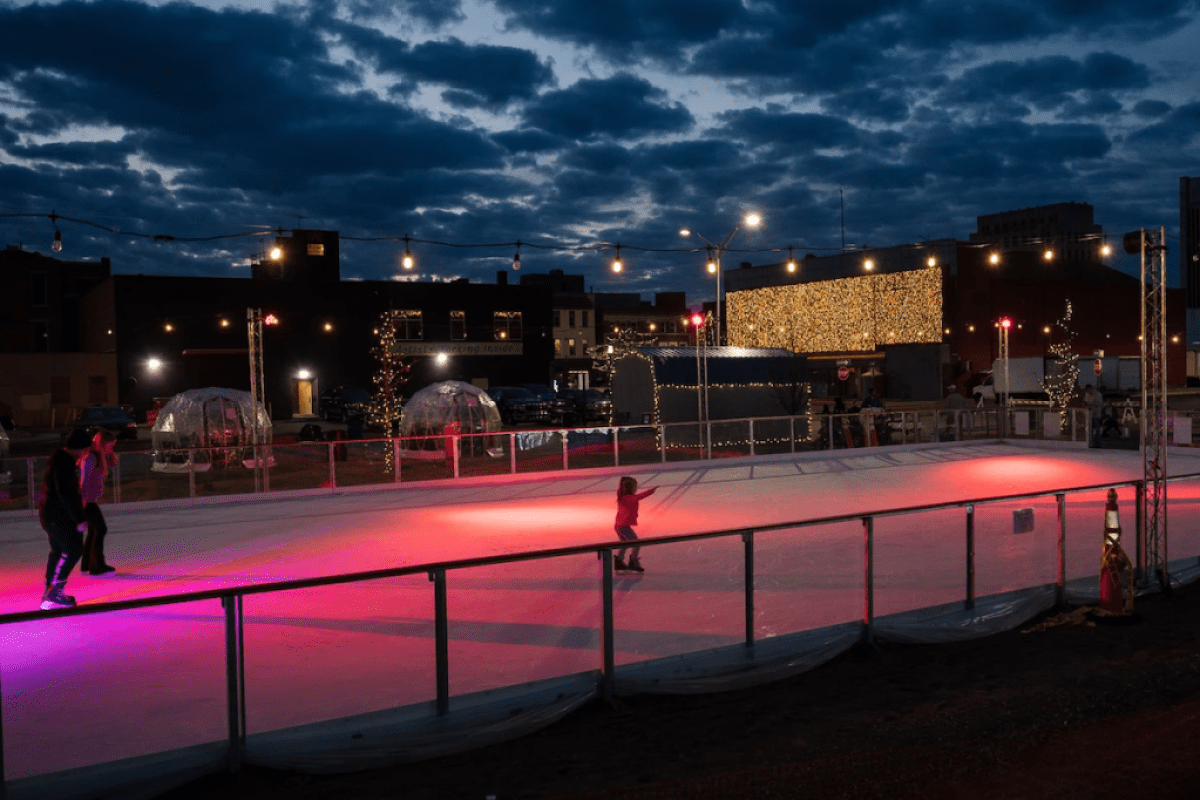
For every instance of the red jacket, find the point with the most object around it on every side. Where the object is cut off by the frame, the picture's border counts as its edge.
(627, 506)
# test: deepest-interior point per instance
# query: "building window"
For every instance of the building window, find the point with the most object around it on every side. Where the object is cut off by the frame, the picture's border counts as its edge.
(571, 318)
(507, 325)
(41, 336)
(557, 318)
(60, 390)
(37, 289)
(408, 325)
(458, 325)
(97, 389)
(583, 346)
(585, 319)
(571, 346)
(316, 249)
(557, 348)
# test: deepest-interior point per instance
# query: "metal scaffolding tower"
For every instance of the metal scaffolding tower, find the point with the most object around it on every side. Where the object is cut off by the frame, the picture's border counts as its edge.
(258, 436)
(1152, 550)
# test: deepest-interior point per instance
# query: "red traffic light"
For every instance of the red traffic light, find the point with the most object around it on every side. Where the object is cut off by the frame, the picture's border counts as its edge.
(697, 319)
(1005, 322)
(270, 319)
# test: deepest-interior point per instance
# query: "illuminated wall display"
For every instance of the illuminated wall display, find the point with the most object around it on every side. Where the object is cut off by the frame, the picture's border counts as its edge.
(847, 314)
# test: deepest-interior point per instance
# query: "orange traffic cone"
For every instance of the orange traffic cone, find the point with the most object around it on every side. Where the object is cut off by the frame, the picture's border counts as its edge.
(1114, 561)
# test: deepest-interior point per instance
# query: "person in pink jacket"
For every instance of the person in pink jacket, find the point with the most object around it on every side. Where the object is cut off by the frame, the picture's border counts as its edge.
(93, 469)
(628, 498)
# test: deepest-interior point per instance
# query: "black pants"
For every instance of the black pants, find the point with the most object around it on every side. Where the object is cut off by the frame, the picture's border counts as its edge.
(93, 544)
(66, 547)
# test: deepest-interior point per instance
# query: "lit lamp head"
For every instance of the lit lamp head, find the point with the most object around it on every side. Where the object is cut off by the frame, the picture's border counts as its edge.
(1005, 323)
(752, 220)
(697, 320)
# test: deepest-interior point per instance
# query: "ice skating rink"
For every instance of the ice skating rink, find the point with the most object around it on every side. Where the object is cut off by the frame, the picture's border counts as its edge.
(90, 689)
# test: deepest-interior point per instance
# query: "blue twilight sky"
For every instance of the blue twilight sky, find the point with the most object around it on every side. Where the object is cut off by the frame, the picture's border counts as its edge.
(583, 122)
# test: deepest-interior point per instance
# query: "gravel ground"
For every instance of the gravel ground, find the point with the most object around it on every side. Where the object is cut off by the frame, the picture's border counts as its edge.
(1069, 710)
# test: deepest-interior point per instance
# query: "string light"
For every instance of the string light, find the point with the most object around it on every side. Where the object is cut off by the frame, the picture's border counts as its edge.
(869, 264)
(517, 257)
(791, 262)
(994, 258)
(1048, 255)
(407, 261)
(1061, 387)
(617, 266)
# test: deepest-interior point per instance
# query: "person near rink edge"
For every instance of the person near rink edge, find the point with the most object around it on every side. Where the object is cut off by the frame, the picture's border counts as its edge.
(1095, 406)
(93, 469)
(628, 498)
(63, 518)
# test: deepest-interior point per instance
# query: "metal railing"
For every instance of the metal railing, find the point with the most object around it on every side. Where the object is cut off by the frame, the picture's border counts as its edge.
(336, 464)
(232, 598)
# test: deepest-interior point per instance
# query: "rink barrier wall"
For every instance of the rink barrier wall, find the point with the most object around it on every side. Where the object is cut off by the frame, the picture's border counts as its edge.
(967, 618)
(334, 465)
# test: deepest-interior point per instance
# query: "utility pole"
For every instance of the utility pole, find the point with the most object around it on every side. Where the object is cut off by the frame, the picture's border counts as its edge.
(1152, 549)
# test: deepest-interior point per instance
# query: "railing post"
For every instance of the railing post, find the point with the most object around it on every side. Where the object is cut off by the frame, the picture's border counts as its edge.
(1060, 586)
(751, 435)
(607, 650)
(616, 447)
(454, 442)
(30, 487)
(192, 472)
(235, 697)
(662, 439)
(868, 578)
(566, 464)
(441, 639)
(970, 601)
(117, 480)
(3, 771)
(708, 440)
(792, 435)
(830, 431)
(332, 468)
(396, 460)
(748, 550)
(512, 453)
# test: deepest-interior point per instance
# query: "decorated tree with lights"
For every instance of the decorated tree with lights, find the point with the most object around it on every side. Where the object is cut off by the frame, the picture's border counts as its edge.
(1061, 386)
(391, 375)
(616, 346)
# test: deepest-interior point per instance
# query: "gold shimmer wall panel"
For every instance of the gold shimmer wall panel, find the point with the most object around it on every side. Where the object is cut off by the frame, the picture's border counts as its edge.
(848, 314)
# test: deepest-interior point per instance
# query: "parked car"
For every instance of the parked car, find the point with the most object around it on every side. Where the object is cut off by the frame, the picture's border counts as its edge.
(342, 404)
(590, 405)
(561, 409)
(112, 418)
(518, 404)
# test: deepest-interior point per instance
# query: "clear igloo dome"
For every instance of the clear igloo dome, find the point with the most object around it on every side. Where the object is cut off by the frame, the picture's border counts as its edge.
(439, 406)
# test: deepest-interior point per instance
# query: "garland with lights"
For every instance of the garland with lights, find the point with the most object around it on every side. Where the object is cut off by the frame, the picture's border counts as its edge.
(1061, 387)
(390, 379)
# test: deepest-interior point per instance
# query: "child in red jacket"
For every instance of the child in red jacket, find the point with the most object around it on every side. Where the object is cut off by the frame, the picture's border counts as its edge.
(628, 498)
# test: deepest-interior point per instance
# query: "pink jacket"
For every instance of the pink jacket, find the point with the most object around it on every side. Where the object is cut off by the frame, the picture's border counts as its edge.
(92, 471)
(627, 506)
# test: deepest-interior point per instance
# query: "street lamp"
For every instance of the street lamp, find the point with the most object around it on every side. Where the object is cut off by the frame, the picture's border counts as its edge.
(751, 220)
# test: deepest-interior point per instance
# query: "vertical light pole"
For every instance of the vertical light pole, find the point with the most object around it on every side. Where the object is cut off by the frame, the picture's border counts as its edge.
(714, 264)
(1003, 328)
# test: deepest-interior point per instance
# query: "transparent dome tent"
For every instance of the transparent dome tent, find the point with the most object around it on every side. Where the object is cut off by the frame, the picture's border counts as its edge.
(213, 426)
(433, 412)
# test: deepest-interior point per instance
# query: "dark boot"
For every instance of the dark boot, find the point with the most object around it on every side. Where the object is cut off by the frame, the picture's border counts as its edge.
(55, 597)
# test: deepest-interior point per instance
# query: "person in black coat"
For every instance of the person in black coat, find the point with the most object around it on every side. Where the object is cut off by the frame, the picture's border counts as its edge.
(62, 515)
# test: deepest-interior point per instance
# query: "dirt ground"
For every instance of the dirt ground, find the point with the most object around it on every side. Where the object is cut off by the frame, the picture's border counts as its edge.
(1073, 710)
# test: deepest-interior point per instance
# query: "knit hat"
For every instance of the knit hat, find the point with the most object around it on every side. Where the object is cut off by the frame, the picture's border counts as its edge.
(79, 440)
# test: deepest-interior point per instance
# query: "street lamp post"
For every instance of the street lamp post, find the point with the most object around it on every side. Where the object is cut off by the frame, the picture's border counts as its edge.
(750, 221)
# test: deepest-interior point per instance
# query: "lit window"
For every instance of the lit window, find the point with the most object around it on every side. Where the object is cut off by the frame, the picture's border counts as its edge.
(408, 325)
(507, 325)
(571, 346)
(316, 249)
(557, 348)
(458, 325)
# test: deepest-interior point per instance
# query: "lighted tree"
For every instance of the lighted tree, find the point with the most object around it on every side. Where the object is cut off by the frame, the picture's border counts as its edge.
(1061, 386)
(616, 346)
(391, 375)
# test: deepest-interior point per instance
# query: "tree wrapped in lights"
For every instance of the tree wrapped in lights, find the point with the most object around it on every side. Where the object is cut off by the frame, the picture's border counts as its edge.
(1061, 386)
(391, 376)
(616, 346)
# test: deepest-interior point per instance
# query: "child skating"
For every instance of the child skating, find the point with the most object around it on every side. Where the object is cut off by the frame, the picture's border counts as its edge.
(628, 498)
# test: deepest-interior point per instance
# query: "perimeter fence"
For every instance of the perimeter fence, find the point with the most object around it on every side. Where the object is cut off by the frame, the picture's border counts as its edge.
(333, 465)
(450, 667)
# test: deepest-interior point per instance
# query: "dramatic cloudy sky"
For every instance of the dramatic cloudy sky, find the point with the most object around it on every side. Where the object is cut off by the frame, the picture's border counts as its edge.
(583, 122)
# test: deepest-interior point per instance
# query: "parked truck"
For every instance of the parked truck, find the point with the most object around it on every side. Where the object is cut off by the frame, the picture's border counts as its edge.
(1120, 376)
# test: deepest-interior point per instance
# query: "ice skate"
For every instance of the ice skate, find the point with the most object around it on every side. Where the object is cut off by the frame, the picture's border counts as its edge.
(635, 565)
(619, 564)
(55, 597)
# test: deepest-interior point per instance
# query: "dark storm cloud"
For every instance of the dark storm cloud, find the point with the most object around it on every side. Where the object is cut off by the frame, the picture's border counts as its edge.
(478, 75)
(794, 131)
(1179, 128)
(621, 106)
(435, 13)
(1151, 108)
(1045, 83)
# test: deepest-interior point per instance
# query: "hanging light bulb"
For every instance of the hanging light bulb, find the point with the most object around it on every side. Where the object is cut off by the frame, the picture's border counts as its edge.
(57, 246)
(1106, 250)
(791, 262)
(407, 262)
(617, 266)
(712, 262)
(517, 257)
(869, 264)
(994, 258)
(931, 261)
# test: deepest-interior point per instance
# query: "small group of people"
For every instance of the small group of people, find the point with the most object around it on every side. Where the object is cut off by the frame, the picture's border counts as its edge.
(70, 507)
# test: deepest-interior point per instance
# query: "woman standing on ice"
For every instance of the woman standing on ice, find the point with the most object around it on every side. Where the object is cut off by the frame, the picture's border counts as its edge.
(93, 469)
(627, 516)
(63, 519)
